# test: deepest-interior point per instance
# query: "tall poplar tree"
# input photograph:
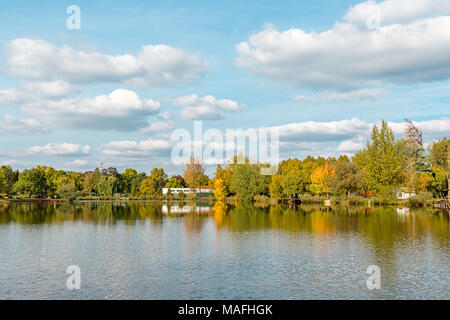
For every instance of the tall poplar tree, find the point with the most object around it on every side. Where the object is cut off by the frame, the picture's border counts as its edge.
(382, 164)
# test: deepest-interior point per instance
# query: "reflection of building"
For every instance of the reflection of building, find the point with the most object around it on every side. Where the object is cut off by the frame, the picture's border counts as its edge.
(204, 189)
(403, 210)
(185, 209)
(443, 204)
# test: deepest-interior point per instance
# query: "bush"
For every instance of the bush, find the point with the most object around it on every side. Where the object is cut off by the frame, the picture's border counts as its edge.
(422, 199)
(67, 191)
(386, 196)
(308, 198)
(356, 200)
(337, 199)
(261, 200)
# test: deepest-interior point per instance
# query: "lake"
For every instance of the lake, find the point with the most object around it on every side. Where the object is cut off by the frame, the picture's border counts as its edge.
(145, 250)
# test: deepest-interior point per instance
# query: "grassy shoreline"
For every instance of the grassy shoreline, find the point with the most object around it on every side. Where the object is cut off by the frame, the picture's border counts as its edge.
(260, 201)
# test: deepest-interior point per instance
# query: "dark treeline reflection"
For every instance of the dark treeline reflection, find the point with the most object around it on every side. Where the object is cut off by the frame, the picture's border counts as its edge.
(381, 224)
(339, 219)
(93, 212)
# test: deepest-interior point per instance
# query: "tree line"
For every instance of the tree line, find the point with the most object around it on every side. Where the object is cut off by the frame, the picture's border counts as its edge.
(384, 166)
(47, 182)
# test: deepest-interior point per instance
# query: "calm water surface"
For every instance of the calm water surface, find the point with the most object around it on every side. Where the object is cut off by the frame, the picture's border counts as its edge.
(155, 251)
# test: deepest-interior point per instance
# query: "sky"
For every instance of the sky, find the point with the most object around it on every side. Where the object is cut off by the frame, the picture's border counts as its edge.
(112, 92)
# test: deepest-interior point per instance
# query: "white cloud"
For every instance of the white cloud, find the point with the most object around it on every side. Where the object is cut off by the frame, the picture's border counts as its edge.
(157, 127)
(124, 148)
(351, 96)
(78, 163)
(11, 124)
(396, 11)
(158, 65)
(10, 96)
(354, 130)
(344, 136)
(347, 57)
(322, 131)
(206, 108)
(17, 163)
(32, 90)
(296, 140)
(60, 149)
(165, 115)
(121, 110)
(351, 145)
(432, 129)
(49, 89)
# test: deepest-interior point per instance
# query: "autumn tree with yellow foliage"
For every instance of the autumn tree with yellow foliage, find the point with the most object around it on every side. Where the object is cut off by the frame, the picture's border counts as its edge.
(219, 189)
(319, 177)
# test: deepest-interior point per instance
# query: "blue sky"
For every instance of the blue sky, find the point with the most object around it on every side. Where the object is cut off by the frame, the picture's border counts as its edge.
(305, 65)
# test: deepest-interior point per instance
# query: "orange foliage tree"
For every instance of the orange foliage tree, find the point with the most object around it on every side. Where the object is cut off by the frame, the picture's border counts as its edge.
(319, 177)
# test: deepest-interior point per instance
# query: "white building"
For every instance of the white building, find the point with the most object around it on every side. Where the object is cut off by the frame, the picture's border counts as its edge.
(405, 195)
(187, 190)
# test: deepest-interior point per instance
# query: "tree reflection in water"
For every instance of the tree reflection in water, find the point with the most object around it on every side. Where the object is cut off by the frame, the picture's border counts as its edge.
(381, 225)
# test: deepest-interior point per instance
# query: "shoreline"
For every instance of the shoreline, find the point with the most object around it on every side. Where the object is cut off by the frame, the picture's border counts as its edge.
(364, 202)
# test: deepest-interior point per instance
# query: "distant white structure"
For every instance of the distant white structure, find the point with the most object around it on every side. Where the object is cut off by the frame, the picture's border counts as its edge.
(405, 195)
(187, 190)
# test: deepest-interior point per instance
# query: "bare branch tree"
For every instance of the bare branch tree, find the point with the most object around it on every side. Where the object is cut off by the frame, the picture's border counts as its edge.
(413, 133)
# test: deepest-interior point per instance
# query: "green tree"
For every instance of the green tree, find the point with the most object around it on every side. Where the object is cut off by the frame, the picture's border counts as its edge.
(381, 162)
(136, 183)
(276, 186)
(343, 158)
(66, 188)
(308, 165)
(131, 180)
(292, 182)
(173, 183)
(51, 176)
(148, 187)
(180, 178)
(91, 179)
(77, 179)
(205, 180)
(159, 177)
(248, 181)
(346, 180)
(32, 182)
(108, 185)
(7, 179)
(440, 158)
